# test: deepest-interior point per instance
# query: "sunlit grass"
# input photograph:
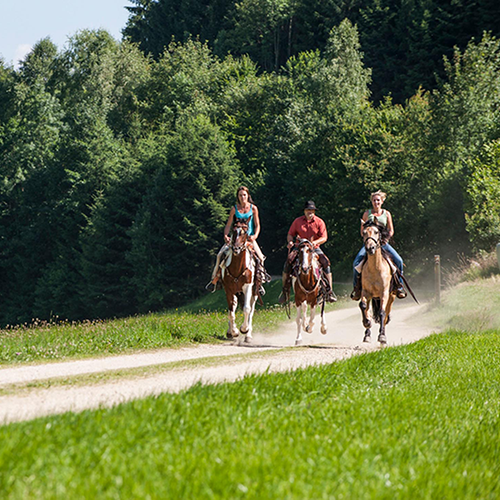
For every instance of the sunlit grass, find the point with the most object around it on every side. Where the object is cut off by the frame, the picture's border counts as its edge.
(418, 421)
(472, 306)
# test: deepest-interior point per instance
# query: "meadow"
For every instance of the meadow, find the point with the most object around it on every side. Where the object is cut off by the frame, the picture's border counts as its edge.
(415, 421)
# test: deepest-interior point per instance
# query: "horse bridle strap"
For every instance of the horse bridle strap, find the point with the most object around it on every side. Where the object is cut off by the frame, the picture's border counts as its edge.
(377, 242)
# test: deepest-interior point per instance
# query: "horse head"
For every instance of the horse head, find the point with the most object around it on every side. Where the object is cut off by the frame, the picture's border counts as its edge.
(372, 236)
(239, 236)
(306, 256)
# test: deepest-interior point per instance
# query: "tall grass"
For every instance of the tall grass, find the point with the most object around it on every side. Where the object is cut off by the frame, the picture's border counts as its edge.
(419, 421)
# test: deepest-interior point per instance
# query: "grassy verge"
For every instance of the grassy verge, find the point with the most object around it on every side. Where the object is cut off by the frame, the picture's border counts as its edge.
(417, 421)
(202, 321)
(472, 306)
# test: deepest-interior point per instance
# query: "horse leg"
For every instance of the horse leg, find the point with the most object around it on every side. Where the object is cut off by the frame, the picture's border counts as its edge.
(364, 305)
(323, 324)
(301, 311)
(388, 309)
(247, 294)
(384, 302)
(312, 316)
(232, 331)
(381, 336)
(253, 300)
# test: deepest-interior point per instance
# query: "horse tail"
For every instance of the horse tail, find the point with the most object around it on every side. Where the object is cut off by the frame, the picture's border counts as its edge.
(376, 310)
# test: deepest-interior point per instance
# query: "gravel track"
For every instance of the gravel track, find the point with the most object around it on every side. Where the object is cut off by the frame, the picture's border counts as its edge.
(229, 362)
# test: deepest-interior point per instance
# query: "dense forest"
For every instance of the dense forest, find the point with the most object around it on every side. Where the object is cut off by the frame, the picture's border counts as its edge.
(120, 159)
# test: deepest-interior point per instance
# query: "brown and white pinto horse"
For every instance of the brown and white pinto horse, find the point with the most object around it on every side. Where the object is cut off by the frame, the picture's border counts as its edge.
(238, 279)
(375, 281)
(306, 287)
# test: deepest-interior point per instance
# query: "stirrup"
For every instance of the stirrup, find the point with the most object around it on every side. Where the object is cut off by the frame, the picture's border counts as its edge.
(283, 298)
(213, 287)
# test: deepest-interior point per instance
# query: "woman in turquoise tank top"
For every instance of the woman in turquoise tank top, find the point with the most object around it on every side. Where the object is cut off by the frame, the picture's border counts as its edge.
(245, 209)
(384, 217)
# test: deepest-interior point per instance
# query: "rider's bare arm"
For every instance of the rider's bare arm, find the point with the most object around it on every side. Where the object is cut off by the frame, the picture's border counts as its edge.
(256, 222)
(390, 225)
(229, 224)
(363, 220)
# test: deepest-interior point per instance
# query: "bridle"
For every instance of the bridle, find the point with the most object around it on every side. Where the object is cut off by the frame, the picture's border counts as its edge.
(376, 241)
(239, 230)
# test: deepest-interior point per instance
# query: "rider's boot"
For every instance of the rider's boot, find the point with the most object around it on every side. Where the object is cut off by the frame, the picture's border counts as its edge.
(285, 293)
(330, 296)
(400, 291)
(356, 293)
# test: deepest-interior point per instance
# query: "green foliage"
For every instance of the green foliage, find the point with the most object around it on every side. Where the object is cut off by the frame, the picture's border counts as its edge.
(483, 198)
(192, 177)
(404, 42)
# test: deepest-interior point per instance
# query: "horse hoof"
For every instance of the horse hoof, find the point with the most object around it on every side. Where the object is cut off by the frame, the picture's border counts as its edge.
(248, 340)
(244, 332)
(382, 339)
(368, 337)
(298, 342)
(309, 329)
(324, 331)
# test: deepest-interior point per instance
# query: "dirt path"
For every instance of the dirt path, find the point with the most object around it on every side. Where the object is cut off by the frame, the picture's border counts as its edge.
(229, 362)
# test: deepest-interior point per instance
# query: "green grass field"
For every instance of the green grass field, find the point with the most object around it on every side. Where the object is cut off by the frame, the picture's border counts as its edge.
(419, 421)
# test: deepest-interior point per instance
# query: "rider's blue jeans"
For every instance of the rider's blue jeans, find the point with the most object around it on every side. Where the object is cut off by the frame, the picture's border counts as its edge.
(361, 255)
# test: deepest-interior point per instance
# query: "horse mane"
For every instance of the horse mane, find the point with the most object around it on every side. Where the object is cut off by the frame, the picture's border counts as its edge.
(240, 222)
(384, 232)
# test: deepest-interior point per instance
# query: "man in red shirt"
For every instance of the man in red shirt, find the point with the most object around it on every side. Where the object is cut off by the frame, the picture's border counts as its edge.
(312, 228)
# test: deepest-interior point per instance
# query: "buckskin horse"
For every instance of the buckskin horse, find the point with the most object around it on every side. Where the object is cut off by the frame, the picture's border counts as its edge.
(238, 281)
(307, 287)
(375, 281)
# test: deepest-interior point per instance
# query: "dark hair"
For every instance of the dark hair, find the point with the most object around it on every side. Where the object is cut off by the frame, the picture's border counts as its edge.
(243, 188)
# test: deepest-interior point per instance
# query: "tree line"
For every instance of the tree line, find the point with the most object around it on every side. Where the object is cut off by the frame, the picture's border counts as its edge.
(403, 40)
(118, 168)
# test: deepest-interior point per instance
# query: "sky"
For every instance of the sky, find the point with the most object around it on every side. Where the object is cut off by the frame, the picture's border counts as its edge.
(25, 22)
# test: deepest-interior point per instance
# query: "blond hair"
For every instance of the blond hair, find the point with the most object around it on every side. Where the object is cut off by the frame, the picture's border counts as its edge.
(378, 193)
